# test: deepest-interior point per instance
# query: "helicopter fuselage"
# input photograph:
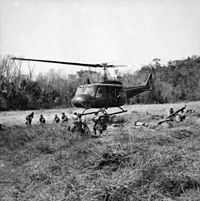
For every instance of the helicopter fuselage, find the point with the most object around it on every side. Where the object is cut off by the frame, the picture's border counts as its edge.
(110, 93)
(99, 95)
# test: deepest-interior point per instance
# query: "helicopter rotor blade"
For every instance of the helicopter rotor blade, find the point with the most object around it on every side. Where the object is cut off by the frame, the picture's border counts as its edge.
(102, 65)
(58, 62)
(118, 66)
(105, 65)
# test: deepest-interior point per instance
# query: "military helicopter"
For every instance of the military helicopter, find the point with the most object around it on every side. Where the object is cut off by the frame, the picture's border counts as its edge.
(100, 95)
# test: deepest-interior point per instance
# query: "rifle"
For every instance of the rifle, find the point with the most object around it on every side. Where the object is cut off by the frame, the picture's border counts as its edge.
(172, 115)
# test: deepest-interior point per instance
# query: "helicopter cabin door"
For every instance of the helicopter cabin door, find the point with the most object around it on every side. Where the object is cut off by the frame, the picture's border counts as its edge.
(115, 96)
(102, 96)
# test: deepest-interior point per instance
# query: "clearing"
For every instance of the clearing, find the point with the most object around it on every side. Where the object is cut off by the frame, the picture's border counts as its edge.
(128, 163)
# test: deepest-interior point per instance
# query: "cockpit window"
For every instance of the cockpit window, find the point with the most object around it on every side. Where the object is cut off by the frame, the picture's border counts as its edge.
(90, 90)
(101, 91)
(86, 90)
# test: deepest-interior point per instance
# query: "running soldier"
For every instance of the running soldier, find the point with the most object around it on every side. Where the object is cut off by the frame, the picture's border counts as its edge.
(100, 122)
(79, 125)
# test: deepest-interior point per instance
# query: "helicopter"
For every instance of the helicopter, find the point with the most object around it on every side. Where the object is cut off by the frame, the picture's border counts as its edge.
(100, 95)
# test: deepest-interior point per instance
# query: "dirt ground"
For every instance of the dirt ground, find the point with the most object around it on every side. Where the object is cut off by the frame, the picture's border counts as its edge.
(127, 163)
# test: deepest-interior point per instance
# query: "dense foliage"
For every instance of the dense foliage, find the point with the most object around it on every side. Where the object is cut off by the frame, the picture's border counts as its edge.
(176, 81)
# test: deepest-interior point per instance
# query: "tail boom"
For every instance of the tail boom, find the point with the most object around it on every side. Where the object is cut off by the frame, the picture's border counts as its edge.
(133, 91)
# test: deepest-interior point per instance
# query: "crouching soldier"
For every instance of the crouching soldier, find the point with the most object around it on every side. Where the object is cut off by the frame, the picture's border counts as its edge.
(181, 115)
(64, 117)
(56, 119)
(42, 119)
(29, 118)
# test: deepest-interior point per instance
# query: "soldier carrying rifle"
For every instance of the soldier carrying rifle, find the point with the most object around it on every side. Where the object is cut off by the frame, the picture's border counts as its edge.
(178, 115)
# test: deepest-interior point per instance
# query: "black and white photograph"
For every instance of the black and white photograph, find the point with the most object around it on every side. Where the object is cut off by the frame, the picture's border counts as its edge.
(99, 100)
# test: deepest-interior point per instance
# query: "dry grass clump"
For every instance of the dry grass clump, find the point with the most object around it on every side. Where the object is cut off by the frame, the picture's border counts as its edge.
(45, 148)
(190, 195)
(176, 184)
(117, 187)
(16, 137)
(113, 160)
(151, 182)
(181, 133)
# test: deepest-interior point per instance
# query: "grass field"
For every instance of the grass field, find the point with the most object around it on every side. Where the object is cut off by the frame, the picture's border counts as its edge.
(18, 117)
(128, 163)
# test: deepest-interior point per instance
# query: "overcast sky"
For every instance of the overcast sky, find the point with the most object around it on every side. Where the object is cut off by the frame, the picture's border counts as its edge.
(119, 31)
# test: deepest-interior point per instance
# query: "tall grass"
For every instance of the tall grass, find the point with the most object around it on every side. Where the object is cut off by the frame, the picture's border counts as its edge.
(50, 163)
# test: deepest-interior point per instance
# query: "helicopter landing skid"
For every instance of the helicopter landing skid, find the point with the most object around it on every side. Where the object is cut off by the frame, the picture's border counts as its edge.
(122, 111)
(104, 111)
(88, 113)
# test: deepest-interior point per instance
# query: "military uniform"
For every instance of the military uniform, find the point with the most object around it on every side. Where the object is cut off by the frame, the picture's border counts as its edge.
(64, 117)
(42, 119)
(56, 119)
(100, 122)
(29, 118)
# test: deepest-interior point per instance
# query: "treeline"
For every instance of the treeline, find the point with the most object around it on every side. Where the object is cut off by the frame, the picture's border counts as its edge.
(176, 81)
(27, 91)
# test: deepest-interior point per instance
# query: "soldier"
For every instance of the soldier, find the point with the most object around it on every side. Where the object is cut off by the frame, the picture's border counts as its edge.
(171, 112)
(95, 119)
(75, 116)
(181, 115)
(56, 119)
(77, 122)
(42, 119)
(29, 118)
(64, 117)
(100, 122)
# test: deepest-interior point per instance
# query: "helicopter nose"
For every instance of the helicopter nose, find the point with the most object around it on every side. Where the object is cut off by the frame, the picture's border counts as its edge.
(79, 102)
